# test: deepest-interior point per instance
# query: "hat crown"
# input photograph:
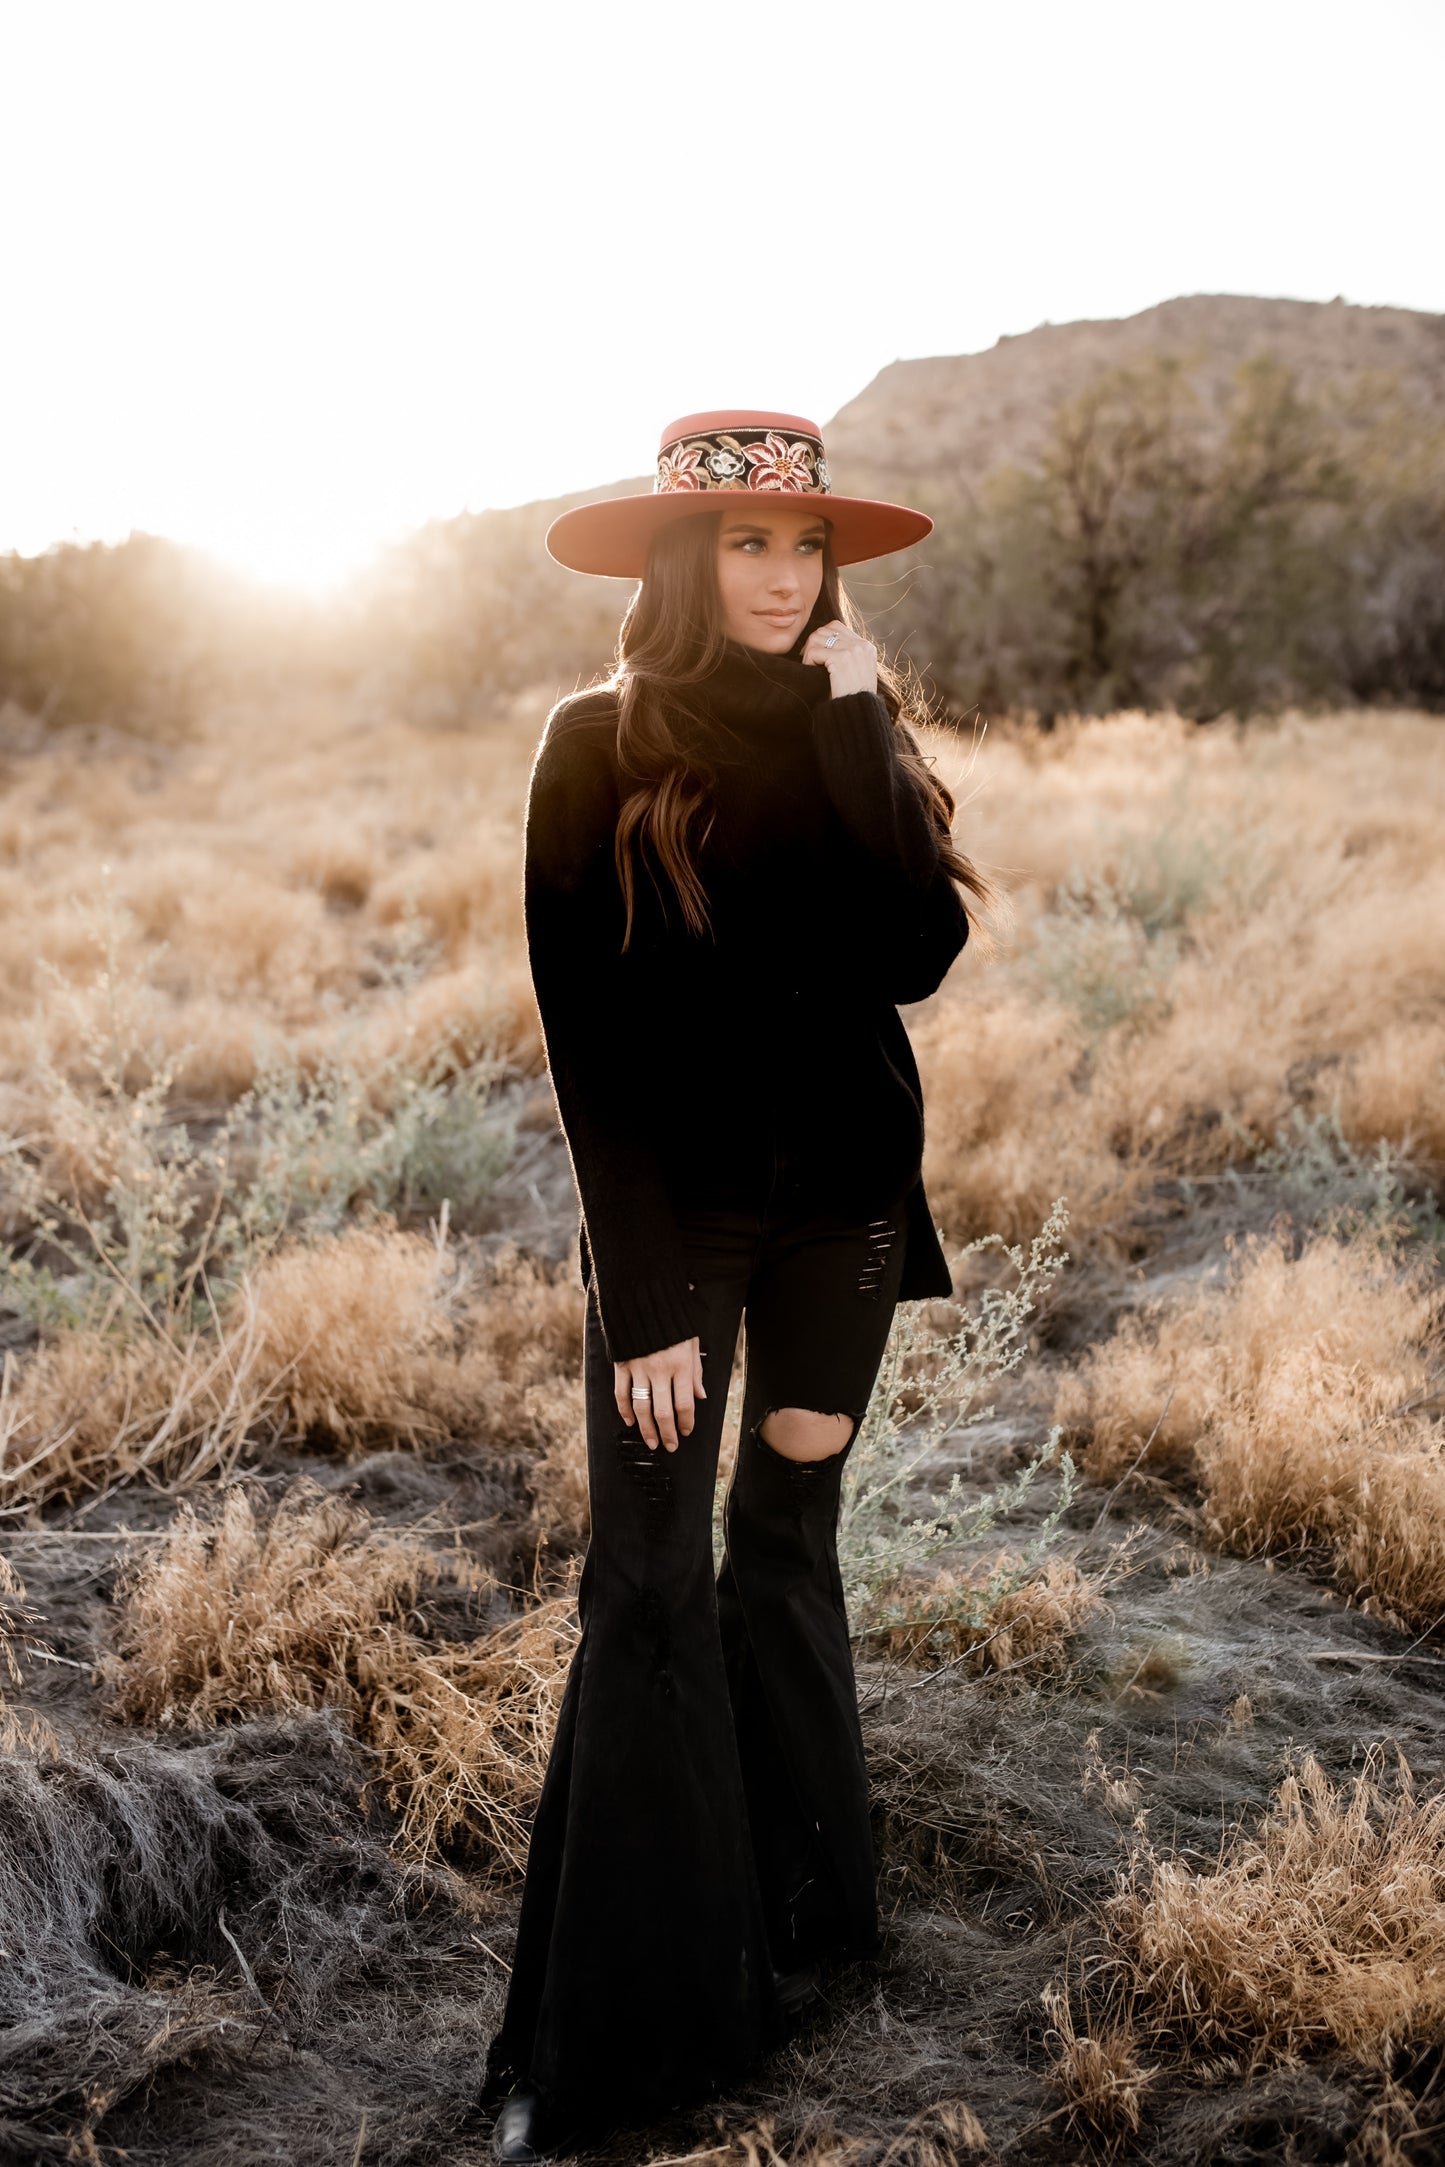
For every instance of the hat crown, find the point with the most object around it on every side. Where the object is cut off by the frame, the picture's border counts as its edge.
(780, 454)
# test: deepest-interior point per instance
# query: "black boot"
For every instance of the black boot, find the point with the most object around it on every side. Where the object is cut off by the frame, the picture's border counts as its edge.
(527, 2128)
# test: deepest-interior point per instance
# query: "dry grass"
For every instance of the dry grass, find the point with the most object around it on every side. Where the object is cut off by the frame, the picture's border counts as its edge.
(1322, 1928)
(464, 1732)
(1255, 930)
(245, 912)
(19, 1637)
(376, 1334)
(90, 1410)
(1210, 923)
(311, 1605)
(1318, 1931)
(369, 1336)
(996, 1618)
(1098, 2071)
(247, 1609)
(1214, 930)
(941, 2136)
(1298, 1394)
(358, 1328)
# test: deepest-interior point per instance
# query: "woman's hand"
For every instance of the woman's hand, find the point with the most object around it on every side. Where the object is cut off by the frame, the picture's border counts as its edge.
(850, 660)
(672, 1380)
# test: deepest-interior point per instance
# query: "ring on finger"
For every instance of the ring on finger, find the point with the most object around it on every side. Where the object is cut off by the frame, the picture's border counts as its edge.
(642, 1392)
(831, 640)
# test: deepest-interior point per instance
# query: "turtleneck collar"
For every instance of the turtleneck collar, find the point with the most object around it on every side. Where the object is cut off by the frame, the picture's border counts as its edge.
(752, 691)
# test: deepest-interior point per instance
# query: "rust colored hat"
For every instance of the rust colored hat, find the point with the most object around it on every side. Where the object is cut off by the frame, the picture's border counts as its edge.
(705, 457)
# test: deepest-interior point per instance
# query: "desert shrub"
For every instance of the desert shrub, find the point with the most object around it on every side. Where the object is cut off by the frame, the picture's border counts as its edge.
(398, 1137)
(352, 1340)
(375, 1333)
(1298, 1394)
(464, 1731)
(131, 1201)
(1111, 937)
(355, 1333)
(1292, 967)
(472, 609)
(1329, 1181)
(89, 1410)
(98, 634)
(938, 1365)
(164, 1274)
(309, 1604)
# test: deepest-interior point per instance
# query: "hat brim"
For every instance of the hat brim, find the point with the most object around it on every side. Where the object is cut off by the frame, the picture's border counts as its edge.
(612, 538)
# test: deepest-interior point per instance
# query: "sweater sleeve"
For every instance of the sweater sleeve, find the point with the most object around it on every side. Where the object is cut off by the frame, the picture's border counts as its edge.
(575, 918)
(921, 920)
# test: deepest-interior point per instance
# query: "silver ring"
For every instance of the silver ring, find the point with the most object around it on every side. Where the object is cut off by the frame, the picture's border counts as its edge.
(831, 640)
(642, 1392)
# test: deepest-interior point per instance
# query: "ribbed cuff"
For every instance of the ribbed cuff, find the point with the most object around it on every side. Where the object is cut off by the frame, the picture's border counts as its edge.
(858, 725)
(642, 1316)
(853, 738)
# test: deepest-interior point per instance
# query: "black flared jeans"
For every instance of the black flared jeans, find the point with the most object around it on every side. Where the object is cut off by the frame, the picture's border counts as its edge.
(704, 1822)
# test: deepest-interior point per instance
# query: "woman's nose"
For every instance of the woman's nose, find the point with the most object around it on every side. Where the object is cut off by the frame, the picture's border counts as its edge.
(783, 577)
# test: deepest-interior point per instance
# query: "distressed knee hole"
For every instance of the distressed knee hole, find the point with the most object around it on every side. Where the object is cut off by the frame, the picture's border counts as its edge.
(797, 1434)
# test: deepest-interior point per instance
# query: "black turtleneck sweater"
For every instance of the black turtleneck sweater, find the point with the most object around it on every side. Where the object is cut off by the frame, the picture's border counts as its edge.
(685, 1066)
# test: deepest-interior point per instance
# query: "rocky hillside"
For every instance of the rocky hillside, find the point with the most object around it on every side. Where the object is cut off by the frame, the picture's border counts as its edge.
(1222, 504)
(948, 420)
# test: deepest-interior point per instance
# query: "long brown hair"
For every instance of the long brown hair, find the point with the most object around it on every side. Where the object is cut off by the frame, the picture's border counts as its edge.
(672, 639)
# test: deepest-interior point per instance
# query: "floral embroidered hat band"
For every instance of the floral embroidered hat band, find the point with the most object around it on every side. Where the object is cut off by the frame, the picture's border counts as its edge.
(706, 462)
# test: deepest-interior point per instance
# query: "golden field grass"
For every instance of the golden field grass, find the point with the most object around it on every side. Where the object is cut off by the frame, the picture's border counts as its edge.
(1213, 930)
(310, 1605)
(1214, 1021)
(1215, 927)
(1210, 923)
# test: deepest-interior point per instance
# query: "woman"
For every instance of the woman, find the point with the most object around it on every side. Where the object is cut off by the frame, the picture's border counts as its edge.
(737, 865)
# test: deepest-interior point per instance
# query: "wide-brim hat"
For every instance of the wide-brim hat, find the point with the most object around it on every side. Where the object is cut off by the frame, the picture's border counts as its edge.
(704, 460)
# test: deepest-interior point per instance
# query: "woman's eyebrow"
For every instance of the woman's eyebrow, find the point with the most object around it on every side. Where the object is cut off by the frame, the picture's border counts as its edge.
(754, 526)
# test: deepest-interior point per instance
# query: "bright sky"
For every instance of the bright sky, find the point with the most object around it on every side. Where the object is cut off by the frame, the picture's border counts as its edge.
(285, 278)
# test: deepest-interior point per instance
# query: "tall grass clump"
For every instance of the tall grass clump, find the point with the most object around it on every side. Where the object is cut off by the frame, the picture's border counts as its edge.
(1321, 1928)
(311, 1605)
(1302, 1396)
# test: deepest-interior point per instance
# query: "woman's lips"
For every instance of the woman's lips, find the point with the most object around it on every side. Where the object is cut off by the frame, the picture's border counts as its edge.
(782, 618)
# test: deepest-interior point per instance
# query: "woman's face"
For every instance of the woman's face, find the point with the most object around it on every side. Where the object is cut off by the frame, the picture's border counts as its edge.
(769, 572)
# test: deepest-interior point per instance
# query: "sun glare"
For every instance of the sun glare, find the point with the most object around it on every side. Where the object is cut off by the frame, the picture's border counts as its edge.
(312, 560)
(292, 281)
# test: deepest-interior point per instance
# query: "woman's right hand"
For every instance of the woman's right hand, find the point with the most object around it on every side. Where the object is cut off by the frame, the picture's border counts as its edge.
(673, 1378)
